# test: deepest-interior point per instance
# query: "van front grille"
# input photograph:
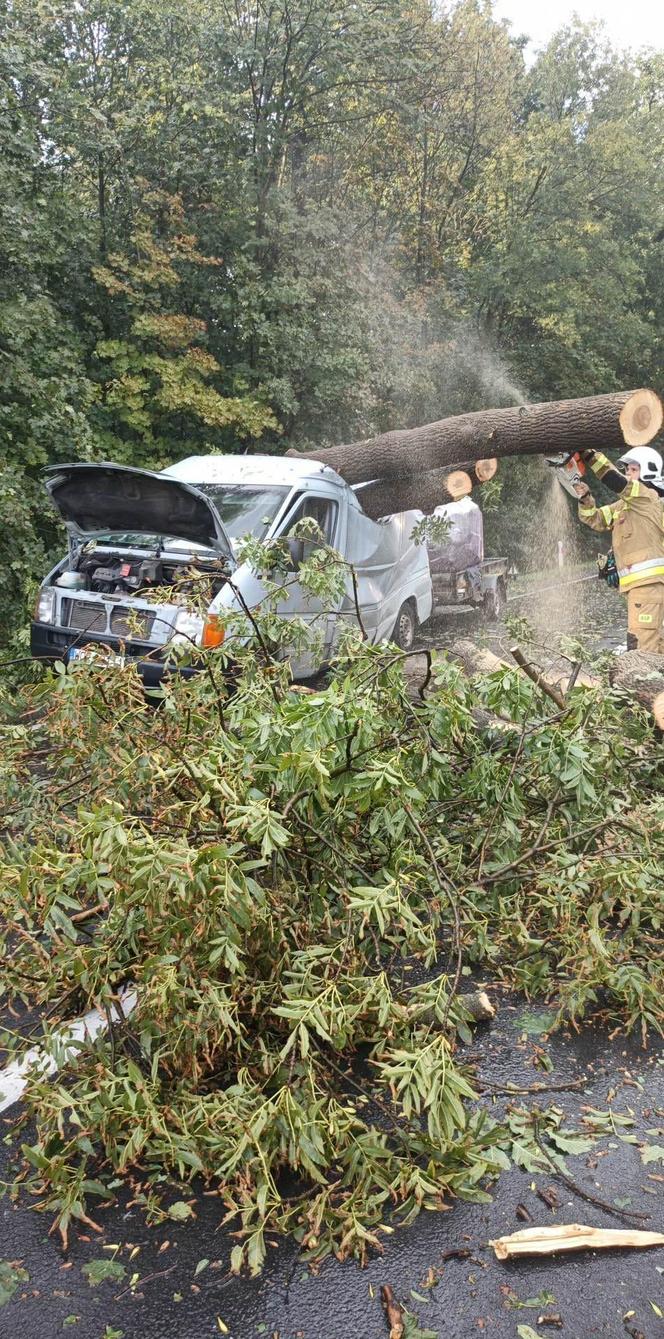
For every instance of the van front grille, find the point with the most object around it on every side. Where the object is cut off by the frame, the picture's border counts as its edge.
(86, 617)
(131, 622)
(118, 619)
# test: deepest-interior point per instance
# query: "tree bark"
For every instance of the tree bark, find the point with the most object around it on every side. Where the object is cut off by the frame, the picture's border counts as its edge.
(480, 660)
(640, 675)
(393, 1312)
(538, 429)
(424, 492)
(476, 659)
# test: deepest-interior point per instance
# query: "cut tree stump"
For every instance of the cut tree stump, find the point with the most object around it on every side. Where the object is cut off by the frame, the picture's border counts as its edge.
(640, 675)
(596, 422)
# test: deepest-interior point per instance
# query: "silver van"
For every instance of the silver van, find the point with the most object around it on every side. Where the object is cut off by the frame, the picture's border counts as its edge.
(134, 535)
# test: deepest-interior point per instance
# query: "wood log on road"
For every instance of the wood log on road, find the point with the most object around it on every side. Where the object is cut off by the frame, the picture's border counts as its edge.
(640, 675)
(597, 422)
(476, 659)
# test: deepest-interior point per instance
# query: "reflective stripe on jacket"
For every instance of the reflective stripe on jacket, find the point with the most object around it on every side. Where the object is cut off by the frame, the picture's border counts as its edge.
(636, 522)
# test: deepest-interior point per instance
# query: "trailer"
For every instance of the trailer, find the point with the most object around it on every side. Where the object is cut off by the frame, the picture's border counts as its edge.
(460, 574)
(482, 587)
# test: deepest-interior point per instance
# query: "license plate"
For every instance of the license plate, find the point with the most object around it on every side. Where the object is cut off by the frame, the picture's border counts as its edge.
(96, 653)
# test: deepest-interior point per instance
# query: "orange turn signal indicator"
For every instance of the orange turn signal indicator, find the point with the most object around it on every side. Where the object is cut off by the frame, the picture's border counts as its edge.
(213, 632)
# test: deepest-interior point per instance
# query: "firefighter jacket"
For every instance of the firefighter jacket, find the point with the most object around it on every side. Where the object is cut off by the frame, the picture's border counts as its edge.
(636, 522)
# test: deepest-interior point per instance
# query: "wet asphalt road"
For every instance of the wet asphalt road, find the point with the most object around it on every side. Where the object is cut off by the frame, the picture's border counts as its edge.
(572, 603)
(474, 1296)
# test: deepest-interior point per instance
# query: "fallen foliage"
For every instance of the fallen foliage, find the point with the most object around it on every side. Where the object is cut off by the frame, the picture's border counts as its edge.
(294, 884)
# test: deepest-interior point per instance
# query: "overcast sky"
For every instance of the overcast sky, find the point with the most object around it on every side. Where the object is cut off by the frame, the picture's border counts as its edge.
(629, 23)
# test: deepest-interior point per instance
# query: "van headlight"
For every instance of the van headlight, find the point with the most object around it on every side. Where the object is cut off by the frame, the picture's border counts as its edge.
(45, 605)
(187, 628)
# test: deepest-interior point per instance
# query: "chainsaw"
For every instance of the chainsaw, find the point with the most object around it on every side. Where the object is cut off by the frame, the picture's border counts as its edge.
(570, 470)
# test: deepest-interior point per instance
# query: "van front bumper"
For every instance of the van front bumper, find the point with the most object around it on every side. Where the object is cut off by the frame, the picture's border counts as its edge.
(49, 643)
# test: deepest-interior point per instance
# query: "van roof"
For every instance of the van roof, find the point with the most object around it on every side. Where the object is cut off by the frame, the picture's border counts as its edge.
(254, 469)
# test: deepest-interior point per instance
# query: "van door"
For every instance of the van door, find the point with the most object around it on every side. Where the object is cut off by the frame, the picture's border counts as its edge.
(324, 509)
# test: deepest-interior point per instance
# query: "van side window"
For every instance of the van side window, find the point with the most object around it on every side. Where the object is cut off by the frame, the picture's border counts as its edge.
(322, 510)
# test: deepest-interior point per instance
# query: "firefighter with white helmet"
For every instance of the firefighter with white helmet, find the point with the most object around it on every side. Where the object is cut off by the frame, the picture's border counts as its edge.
(636, 522)
(648, 461)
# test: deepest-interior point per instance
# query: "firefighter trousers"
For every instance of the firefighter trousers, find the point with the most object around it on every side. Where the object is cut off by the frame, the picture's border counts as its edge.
(645, 617)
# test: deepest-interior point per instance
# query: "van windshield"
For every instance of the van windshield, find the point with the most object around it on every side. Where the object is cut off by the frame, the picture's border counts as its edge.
(245, 510)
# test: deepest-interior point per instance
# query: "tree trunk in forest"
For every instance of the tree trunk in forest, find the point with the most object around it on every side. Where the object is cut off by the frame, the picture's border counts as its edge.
(640, 675)
(596, 422)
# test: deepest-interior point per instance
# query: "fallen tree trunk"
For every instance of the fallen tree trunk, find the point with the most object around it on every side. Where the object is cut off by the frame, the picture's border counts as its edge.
(476, 659)
(424, 492)
(598, 421)
(640, 674)
(479, 660)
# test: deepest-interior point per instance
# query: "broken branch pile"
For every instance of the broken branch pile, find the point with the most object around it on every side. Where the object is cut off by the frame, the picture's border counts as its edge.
(257, 864)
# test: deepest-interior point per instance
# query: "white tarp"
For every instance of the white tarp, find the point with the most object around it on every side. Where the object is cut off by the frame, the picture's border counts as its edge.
(464, 545)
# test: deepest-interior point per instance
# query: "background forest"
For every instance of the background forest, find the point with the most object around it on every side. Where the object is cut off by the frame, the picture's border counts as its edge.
(247, 224)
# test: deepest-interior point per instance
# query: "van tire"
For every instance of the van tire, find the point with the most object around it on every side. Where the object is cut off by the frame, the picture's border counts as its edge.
(405, 627)
(493, 605)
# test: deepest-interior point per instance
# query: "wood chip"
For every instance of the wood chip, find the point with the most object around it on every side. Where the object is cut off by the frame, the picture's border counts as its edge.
(549, 1196)
(393, 1312)
(523, 1214)
(571, 1237)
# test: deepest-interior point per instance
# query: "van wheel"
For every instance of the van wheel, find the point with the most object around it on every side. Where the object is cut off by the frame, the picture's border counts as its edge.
(405, 627)
(493, 605)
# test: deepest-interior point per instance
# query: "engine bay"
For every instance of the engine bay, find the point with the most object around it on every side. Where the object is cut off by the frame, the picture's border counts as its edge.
(110, 572)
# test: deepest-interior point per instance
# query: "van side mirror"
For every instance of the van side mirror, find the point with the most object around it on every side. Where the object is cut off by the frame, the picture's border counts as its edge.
(296, 551)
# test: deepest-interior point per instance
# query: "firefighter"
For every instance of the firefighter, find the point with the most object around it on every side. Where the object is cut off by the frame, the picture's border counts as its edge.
(636, 522)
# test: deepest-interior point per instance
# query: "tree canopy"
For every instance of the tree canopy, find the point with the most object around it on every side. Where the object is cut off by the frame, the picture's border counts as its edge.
(239, 225)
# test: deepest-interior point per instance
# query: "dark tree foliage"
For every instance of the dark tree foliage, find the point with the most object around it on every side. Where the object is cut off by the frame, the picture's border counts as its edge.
(229, 226)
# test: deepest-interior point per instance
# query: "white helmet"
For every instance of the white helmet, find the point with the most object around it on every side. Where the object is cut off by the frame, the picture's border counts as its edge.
(649, 462)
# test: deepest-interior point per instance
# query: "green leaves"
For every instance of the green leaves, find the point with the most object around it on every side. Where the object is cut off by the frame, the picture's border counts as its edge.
(268, 869)
(101, 1271)
(652, 1153)
(12, 1275)
(180, 1211)
(425, 1080)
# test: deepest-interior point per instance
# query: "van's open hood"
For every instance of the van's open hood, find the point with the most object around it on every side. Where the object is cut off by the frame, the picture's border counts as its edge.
(93, 499)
